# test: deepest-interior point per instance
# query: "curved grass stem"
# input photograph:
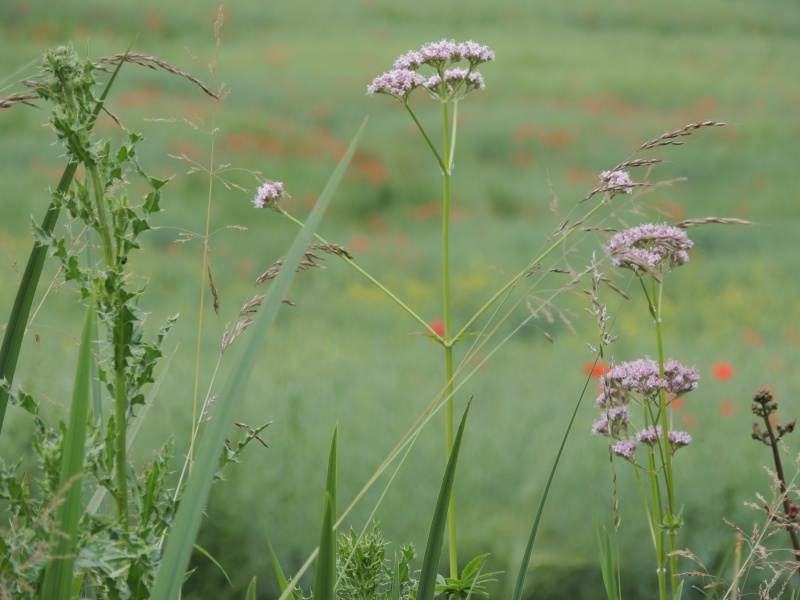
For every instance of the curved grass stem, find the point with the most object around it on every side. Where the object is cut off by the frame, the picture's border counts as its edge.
(369, 278)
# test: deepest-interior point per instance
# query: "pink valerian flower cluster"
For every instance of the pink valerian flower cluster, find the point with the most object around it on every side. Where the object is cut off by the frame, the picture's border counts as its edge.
(640, 378)
(617, 180)
(649, 247)
(269, 194)
(453, 77)
(627, 448)
(613, 422)
(398, 83)
(403, 79)
(651, 435)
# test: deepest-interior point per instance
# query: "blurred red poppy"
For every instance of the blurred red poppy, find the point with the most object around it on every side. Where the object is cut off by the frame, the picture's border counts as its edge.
(727, 408)
(596, 371)
(722, 371)
(438, 326)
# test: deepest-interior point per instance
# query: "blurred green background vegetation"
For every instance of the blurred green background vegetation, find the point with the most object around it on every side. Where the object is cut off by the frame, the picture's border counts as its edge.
(576, 88)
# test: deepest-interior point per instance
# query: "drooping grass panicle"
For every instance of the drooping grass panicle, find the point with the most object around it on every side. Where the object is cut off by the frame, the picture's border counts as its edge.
(670, 138)
(154, 63)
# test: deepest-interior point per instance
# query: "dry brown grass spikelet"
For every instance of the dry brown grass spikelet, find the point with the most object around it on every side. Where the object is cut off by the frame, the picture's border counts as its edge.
(669, 139)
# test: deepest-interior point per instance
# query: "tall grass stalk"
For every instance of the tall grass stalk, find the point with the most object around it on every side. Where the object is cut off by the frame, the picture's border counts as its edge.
(187, 520)
(211, 171)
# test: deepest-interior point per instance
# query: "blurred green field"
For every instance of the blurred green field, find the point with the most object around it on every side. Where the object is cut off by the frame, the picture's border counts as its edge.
(576, 88)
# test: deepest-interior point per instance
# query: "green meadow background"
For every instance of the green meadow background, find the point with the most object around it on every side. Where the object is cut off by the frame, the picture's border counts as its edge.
(576, 88)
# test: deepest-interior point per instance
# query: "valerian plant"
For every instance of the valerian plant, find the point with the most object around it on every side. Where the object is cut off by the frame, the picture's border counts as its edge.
(650, 252)
(453, 76)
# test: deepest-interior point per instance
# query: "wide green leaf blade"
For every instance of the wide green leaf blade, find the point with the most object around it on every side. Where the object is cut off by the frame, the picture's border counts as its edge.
(190, 512)
(433, 550)
(58, 574)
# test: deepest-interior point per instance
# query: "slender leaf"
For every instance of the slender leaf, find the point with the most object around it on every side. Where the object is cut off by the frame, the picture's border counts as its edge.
(18, 320)
(276, 565)
(205, 553)
(679, 591)
(395, 579)
(58, 574)
(607, 565)
(325, 575)
(330, 483)
(251, 590)
(433, 550)
(526, 559)
(190, 512)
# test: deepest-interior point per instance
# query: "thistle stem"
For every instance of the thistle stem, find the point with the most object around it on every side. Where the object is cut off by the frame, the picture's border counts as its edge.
(121, 406)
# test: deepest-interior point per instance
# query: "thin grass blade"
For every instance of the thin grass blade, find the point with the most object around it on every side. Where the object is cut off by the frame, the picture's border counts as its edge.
(58, 574)
(433, 550)
(325, 575)
(18, 320)
(526, 559)
(251, 590)
(607, 564)
(276, 565)
(330, 483)
(395, 579)
(190, 512)
(206, 553)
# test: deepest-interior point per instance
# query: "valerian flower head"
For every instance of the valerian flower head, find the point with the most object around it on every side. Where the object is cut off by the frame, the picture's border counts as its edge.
(642, 377)
(398, 83)
(439, 54)
(475, 53)
(403, 79)
(269, 194)
(624, 448)
(411, 61)
(680, 379)
(649, 247)
(612, 396)
(613, 422)
(620, 181)
(649, 435)
(455, 79)
(678, 439)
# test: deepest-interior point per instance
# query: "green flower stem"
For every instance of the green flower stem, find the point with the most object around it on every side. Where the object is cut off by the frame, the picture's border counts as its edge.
(448, 346)
(658, 532)
(657, 290)
(451, 155)
(513, 282)
(425, 135)
(369, 278)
